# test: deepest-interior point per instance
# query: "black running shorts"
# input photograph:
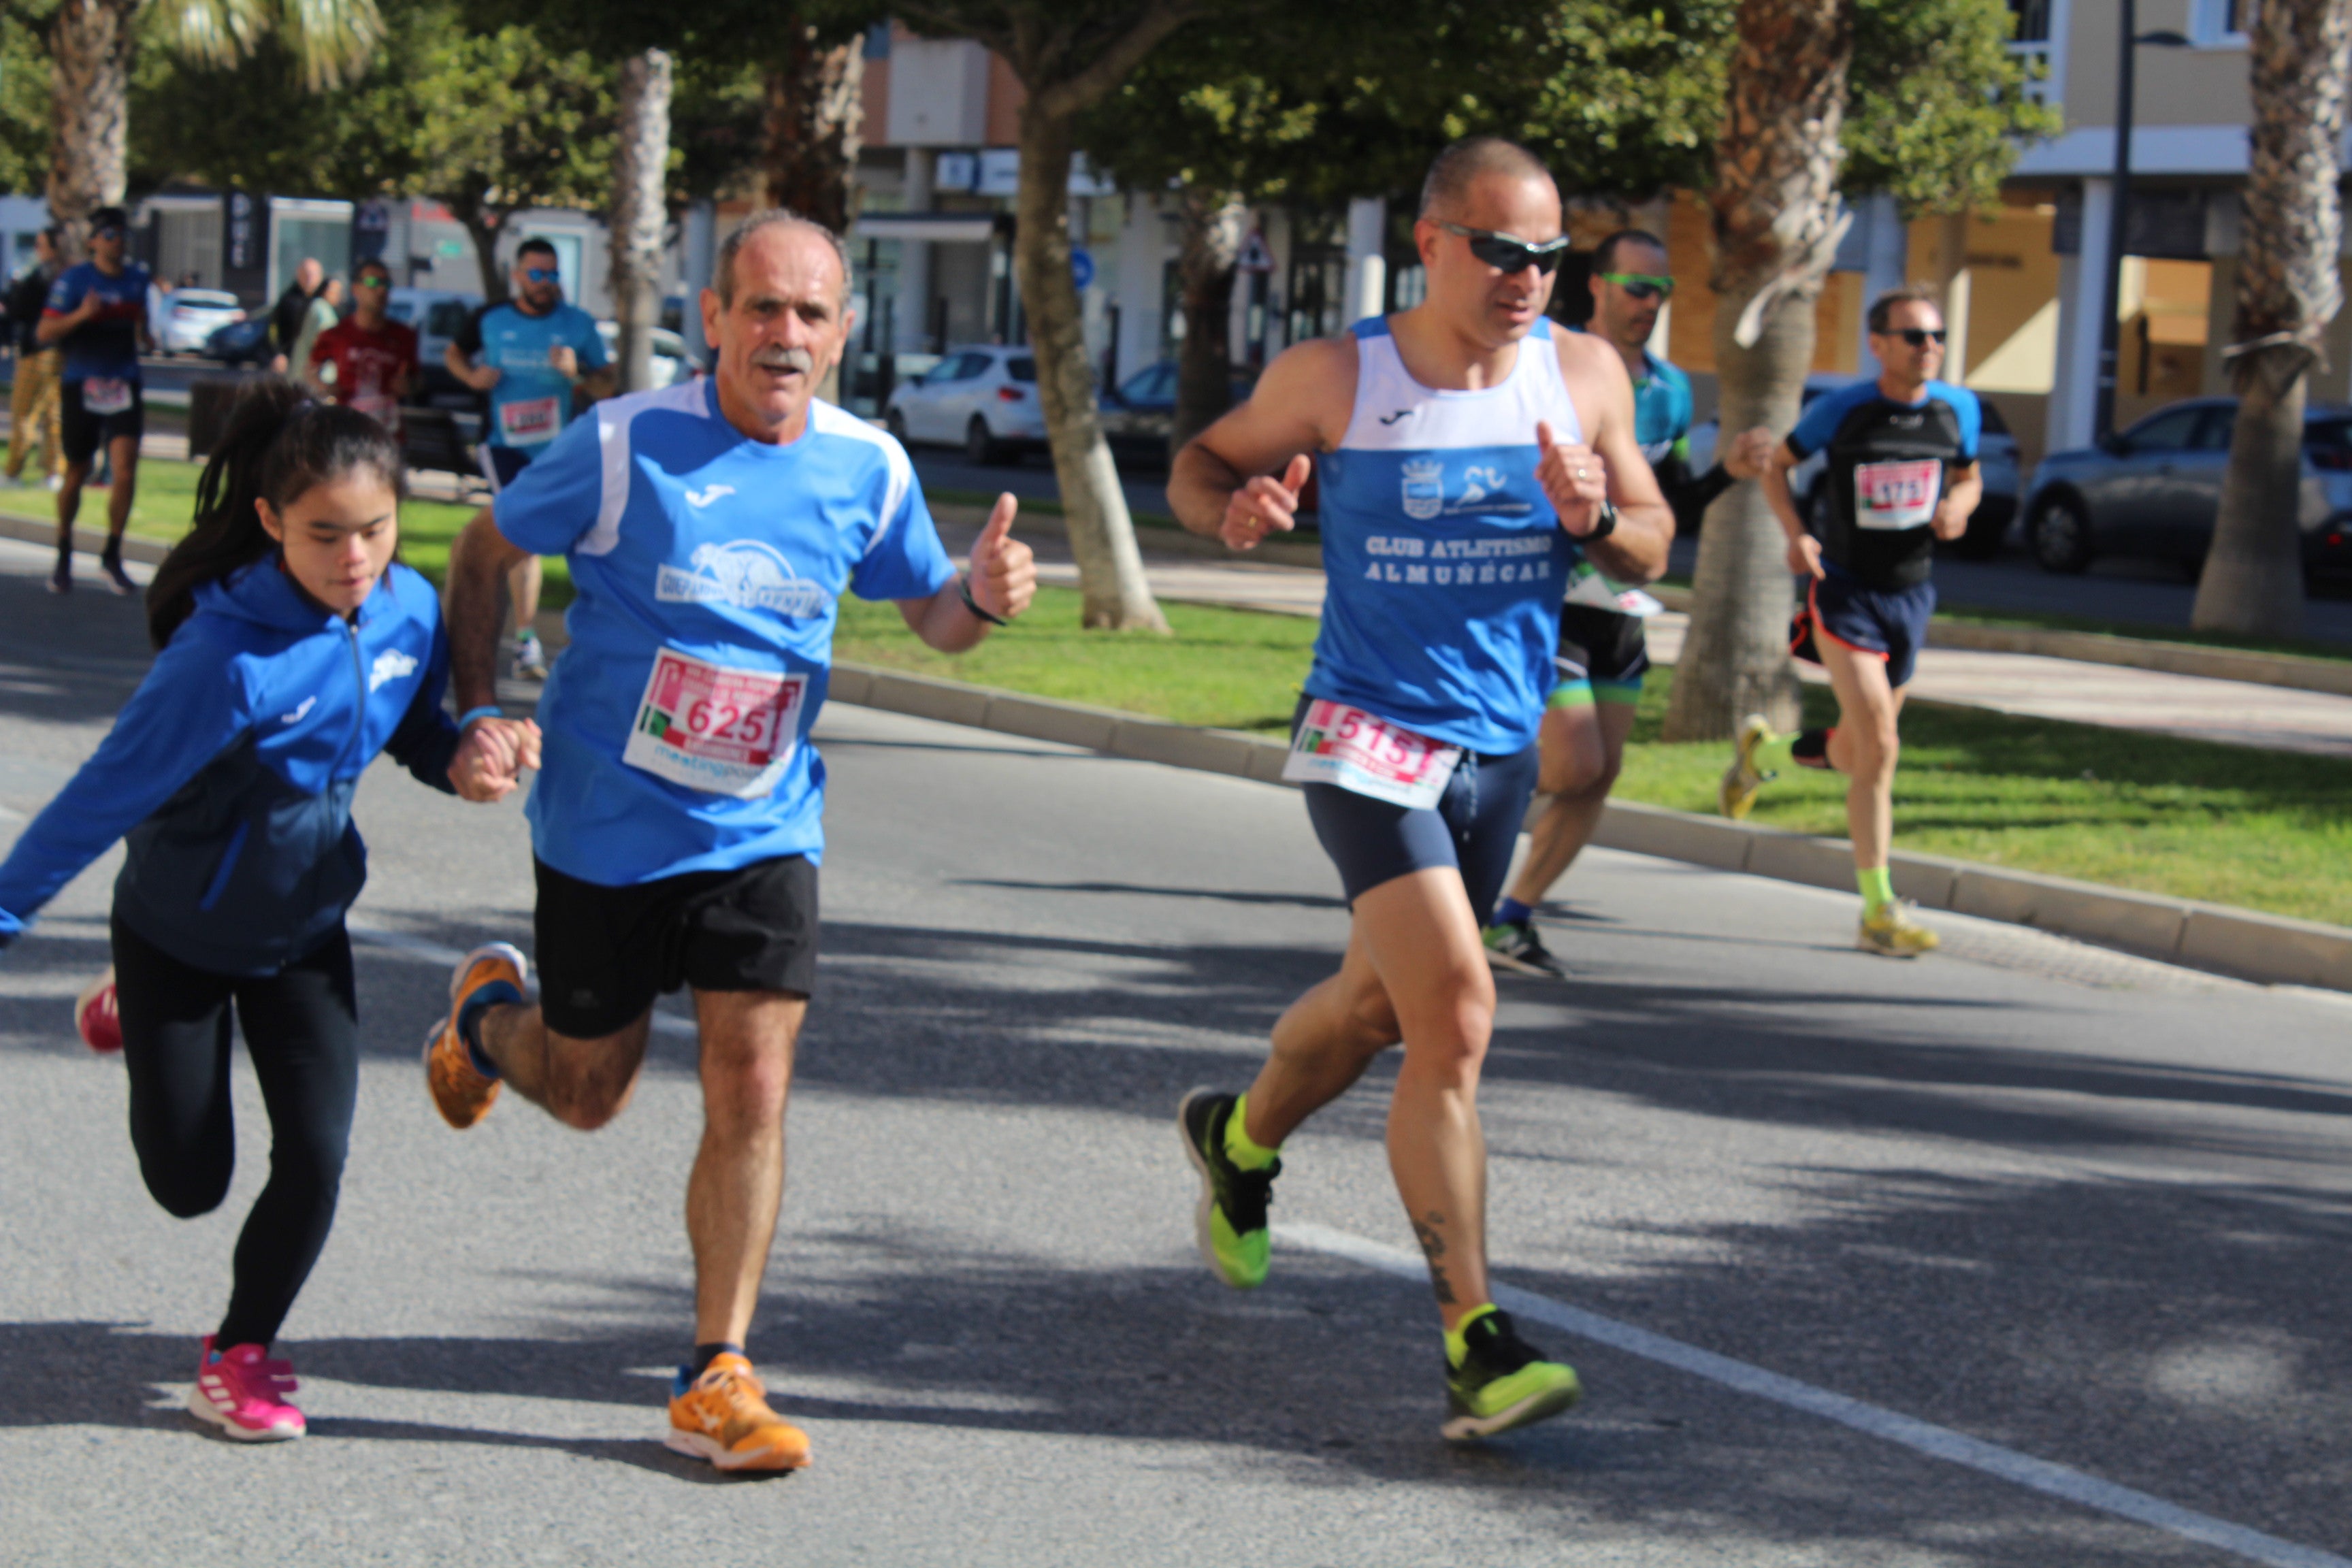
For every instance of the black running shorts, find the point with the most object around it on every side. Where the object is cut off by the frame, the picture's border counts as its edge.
(605, 954)
(83, 434)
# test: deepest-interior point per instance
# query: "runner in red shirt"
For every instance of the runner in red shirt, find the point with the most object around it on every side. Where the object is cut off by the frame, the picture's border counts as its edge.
(374, 358)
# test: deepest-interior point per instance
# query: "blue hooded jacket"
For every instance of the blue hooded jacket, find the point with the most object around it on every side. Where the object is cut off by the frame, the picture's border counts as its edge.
(231, 770)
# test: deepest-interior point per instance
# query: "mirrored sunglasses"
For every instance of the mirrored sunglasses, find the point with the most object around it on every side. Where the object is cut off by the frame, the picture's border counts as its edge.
(1640, 285)
(1506, 253)
(543, 275)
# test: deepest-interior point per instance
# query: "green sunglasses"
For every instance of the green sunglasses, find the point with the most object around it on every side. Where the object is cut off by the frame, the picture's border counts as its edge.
(1640, 285)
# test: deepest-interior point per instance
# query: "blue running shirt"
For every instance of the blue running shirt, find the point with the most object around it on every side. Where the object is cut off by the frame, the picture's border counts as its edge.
(107, 344)
(707, 566)
(1662, 410)
(531, 402)
(1444, 562)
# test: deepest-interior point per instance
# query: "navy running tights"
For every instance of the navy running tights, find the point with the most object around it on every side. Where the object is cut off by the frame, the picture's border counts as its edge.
(301, 1031)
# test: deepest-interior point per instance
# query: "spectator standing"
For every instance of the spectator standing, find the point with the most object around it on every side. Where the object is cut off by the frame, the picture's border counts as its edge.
(367, 360)
(33, 400)
(97, 312)
(293, 307)
(326, 309)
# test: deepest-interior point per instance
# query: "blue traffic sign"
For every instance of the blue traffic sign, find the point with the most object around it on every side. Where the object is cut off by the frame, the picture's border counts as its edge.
(1082, 268)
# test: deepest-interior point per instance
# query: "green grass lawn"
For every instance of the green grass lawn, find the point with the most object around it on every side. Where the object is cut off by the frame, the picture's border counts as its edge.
(2263, 830)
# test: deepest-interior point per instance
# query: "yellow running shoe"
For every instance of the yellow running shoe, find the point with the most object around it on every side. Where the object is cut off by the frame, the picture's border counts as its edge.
(723, 1416)
(1736, 795)
(461, 1091)
(1890, 930)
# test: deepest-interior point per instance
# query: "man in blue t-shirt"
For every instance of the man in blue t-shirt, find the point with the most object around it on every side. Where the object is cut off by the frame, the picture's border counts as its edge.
(711, 528)
(531, 355)
(97, 313)
(1902, 474)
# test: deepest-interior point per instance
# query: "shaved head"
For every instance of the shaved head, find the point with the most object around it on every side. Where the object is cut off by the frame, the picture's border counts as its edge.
(1461, 165)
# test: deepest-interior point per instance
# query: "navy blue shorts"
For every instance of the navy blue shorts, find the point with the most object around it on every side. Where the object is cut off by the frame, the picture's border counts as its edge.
(501, 463)
(1890, 623)
(1473, 827)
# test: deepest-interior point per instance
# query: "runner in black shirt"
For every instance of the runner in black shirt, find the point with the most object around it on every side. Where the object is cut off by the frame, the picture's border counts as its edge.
(1902, 474)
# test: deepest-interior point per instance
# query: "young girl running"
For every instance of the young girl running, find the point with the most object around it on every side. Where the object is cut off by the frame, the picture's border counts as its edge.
(292, 650)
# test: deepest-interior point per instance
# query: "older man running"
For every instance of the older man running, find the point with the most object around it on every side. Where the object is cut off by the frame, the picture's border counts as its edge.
(711, 528)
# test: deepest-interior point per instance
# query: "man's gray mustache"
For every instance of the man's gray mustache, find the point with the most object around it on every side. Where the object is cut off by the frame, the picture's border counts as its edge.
(785, 359)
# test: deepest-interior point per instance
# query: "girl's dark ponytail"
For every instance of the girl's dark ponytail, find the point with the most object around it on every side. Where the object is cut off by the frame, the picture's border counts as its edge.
(279, 444)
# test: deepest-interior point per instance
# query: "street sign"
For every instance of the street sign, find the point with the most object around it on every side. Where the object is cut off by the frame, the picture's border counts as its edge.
(1082, 268)
(1254, 257)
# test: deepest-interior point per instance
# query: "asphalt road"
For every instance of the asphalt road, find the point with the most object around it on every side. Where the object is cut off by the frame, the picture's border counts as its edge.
(2066, 1207)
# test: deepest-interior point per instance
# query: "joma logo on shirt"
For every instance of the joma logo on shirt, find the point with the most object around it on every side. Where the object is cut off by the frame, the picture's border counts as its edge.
(746, 574)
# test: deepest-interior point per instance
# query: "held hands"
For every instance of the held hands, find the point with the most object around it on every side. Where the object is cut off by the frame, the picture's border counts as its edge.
(1748, 452)
(1003, 568)
(1574, 480)
(1265, 505)
(492, 757)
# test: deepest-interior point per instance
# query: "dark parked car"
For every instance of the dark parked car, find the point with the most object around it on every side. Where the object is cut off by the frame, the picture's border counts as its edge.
(2155, 489)
(241, 343)
(1138, 414)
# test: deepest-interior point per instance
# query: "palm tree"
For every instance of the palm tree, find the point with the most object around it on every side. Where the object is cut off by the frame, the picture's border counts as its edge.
(640, 171)
(1777, 220)
(91, 47)
(2287, 293)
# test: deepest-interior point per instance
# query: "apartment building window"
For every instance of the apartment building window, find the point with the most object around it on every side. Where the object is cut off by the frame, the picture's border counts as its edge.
(2221, 24)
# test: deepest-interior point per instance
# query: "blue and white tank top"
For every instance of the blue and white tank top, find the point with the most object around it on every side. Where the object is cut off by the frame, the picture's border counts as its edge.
(1445, 564)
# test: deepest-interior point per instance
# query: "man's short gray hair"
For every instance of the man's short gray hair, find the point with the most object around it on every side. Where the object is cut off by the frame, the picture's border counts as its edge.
(722, 273)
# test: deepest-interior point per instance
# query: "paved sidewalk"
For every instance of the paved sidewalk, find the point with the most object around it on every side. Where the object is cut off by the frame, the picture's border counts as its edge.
(2231, 711)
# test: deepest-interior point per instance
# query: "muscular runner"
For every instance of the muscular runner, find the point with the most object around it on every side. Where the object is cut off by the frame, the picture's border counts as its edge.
(1470, 458)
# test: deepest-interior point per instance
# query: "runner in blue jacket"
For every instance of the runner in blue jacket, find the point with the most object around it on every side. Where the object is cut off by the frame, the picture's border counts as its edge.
(292, 650)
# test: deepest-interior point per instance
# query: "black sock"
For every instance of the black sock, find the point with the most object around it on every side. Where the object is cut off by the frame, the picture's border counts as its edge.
(1812, 749)
(705, 1354)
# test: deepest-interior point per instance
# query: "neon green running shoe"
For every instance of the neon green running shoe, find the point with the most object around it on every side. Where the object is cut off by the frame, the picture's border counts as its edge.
(1230, 1224)
(1890, 931)
(1503, 1382)
(1736, 795)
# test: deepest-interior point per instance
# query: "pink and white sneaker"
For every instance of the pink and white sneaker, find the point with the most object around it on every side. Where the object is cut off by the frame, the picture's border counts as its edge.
(242, 1393)
(96, 1018)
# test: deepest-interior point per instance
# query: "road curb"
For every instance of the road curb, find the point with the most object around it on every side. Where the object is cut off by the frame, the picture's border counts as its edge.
(36, 531)
(2274, 949)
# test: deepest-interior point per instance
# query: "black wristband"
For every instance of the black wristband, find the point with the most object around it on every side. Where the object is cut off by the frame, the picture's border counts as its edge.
(964, 591)
(1606, 526)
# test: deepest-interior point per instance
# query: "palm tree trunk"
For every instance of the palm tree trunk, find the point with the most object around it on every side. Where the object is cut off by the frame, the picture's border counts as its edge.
(640, 159)
(91, 44)
(1102, 535)
(2288, 291)
(814, 122)
(1777, 223)
(1215, 222)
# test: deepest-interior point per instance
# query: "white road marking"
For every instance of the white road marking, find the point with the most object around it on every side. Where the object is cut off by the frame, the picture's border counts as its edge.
(1921, 1436)
(433, 953)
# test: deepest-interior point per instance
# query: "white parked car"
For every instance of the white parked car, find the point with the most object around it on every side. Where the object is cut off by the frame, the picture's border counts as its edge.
(982, 399)
(671, 363)
(192, 316)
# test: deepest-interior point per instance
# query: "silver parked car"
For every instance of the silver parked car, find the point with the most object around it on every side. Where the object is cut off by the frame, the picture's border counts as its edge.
(984, 399)
(2156, 489)
(191, 316)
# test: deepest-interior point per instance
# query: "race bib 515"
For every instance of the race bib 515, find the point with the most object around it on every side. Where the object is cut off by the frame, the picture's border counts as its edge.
(1367, 754)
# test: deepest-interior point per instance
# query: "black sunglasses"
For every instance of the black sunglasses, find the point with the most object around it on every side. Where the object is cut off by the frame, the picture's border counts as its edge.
(1918, 337)
(110, 231)
(1506, 253)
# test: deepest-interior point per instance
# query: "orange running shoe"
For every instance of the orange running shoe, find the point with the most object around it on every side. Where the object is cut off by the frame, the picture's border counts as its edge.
(461, 1091)
(723, 1416)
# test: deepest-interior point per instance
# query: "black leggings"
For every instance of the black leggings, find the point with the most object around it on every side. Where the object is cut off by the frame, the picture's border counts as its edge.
(301, 1031)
